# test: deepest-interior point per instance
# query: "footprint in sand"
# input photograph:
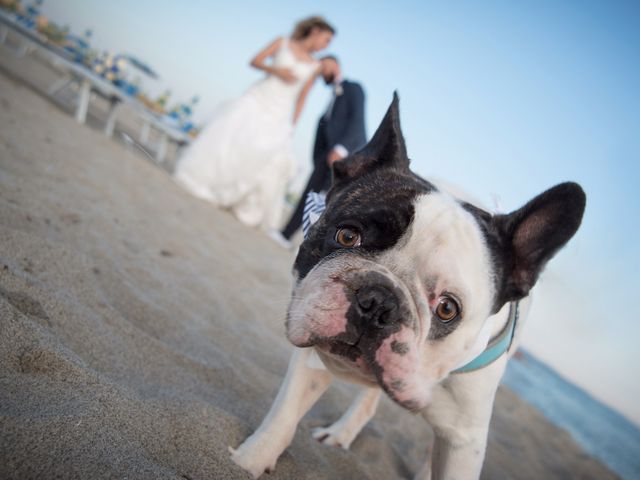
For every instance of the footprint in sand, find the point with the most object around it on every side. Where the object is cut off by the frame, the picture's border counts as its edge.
(70, 218)
(37, 359)
(25, 304)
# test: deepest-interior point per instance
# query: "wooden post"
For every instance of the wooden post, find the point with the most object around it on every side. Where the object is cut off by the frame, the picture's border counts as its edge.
(163, 143)
(144, 132)
(111, 118)
(83, 101)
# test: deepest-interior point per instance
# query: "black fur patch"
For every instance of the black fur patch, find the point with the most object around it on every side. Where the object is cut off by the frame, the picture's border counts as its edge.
(401, 348)
(380, 204)
(398, 384)
(439, 329)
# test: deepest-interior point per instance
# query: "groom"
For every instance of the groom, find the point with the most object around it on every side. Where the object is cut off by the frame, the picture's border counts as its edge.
(340, 131)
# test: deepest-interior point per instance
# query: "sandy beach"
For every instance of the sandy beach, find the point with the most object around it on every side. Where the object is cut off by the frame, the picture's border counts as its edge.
(141, 329)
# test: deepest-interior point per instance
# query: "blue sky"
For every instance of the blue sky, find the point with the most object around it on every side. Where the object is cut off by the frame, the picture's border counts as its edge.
(499, 98)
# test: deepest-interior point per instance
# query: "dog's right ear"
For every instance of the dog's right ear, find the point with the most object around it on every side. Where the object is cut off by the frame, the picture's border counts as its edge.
(386, 149)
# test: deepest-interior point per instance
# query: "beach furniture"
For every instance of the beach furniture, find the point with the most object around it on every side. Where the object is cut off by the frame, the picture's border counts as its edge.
(89, 82)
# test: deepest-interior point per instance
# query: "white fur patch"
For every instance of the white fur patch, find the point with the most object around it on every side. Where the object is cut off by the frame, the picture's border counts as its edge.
(445, 252)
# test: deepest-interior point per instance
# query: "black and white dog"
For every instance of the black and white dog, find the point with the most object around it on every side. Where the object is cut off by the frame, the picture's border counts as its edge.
(401, 287)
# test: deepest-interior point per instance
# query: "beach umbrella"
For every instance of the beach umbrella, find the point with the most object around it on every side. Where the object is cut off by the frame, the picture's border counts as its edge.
(142, 66)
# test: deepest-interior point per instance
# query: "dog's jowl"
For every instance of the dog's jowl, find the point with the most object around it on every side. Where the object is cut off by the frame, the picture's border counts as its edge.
(406, 290)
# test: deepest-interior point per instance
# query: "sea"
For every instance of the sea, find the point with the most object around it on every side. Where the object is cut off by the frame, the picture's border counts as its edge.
(599, 430)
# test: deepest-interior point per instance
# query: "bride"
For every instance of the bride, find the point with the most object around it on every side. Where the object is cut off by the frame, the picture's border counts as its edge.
(243, 158)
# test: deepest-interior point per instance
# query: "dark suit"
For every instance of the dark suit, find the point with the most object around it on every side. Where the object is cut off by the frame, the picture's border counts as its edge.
(344, 126)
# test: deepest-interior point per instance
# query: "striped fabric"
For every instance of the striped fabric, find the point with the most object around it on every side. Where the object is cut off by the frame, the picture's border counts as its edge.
(314, 205)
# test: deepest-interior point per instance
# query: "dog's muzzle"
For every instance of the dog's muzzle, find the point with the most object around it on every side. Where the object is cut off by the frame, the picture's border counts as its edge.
(377, 307)
(378, 303)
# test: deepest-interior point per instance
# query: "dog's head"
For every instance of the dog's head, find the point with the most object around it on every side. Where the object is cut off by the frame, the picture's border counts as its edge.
(397, 279)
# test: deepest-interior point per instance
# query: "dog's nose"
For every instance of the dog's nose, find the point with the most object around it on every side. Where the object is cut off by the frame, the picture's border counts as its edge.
(377, 306)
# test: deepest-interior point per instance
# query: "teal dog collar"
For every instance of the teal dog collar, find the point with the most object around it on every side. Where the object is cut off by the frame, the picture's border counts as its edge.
(497, 346)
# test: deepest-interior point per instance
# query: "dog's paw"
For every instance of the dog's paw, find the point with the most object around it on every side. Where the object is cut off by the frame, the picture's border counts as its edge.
(335, 435)
(254, 457)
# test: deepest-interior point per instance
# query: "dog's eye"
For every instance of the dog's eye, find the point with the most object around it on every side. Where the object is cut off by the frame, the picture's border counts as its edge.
(348, 237)
(447, 309)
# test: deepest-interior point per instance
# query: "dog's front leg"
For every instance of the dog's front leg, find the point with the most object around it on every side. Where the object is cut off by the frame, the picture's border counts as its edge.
(455, 459)
(301, 388)
(345, 430)
(460, 413)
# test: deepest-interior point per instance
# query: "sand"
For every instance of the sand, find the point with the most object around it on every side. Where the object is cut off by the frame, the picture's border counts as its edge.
(141, 329)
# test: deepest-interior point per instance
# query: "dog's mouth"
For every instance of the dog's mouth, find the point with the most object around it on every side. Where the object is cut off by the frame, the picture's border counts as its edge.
(345, 358)
(348, 349)
(352, 356)
(344, 346)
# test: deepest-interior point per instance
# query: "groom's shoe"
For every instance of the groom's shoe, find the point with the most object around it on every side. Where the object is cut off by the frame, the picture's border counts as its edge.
(280, 239)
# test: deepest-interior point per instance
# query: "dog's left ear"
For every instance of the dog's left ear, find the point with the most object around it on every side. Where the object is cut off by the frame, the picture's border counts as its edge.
(529, 237)
(386, 148)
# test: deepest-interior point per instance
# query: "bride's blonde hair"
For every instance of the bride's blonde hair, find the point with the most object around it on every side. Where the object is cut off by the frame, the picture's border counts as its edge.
(304, 27)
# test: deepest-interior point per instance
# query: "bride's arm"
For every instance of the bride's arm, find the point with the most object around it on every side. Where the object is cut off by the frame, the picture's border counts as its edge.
(259, 61)
(303, 96)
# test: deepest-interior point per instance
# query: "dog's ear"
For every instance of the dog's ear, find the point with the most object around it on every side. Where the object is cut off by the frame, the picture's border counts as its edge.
(529, 237)
(386, 148)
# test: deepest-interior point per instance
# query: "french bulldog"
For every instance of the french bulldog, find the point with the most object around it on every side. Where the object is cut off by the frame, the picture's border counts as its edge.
(406, 290)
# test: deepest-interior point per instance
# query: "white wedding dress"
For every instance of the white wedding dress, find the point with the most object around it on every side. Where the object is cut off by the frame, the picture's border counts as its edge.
(243, 159)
